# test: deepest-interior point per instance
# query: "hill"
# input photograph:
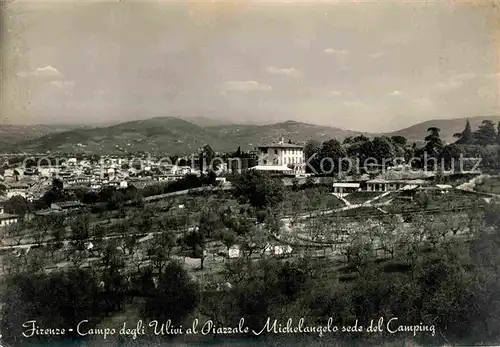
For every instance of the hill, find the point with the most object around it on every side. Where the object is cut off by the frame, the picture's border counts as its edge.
(175, 136)
(178, 136)
(448, 127)
(151, 135)
(248, 136)
(13, 133)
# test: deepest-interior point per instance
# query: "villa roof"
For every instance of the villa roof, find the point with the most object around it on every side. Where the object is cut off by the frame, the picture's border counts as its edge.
(270, 168)
(281, 145)
(346, 184)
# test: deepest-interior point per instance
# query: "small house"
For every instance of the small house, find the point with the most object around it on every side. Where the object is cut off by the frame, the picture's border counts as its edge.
(342, 189)
(67, 206)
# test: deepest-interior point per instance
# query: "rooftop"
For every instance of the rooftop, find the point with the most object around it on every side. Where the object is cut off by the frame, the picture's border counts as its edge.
(270, 168)
(67, 204)
(281, 145)
(346, 184)
(7, 216)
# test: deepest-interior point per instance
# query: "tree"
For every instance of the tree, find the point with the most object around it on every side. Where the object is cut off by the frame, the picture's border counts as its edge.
(258, 189)
(17, 232)
(466, 136)
(399, 140)
(57, 234)
(175, 297)
(238, 153)
(328, 158)
(80, 227)
(61, 298)
(161, 248)
(144, 224)
(498, 133)
(382, 150)
(207, 155)
(57, 184)
(196, 241)
(17, 205)
(312, 147)
(450, 154)
(433, 142)
(116, 200)
(256, 240)
(228, 237)
(485, 134)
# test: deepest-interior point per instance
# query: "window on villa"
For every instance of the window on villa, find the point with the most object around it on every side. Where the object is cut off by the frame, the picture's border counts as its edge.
(275, 151)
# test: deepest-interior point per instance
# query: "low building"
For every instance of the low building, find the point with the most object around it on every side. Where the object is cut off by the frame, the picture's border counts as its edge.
(274, 170)
(342, 189)
(17, 189)
(382, 185)
(67, 206)
(169, 178)
(8, 219)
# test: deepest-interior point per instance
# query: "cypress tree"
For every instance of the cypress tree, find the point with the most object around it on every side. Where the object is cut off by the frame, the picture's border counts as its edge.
(498, 133)
(467, 134)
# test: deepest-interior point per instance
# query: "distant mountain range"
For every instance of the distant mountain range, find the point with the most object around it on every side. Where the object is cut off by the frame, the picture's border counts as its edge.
(11, 134)
(448, 127)
(175, 135)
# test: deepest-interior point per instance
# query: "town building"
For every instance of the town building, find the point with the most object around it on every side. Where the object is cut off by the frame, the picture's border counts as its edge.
(382, 185)
(342, 189)
(281, 155)
(67, 206)
(7, 218)
(17, 189)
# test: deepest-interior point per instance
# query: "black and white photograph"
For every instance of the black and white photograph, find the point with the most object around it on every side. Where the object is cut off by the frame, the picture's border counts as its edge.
(249, 173)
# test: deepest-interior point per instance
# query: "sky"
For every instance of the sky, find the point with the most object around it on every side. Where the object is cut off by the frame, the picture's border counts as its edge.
(365, 66)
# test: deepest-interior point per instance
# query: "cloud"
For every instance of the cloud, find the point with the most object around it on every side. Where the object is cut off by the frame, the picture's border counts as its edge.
(62, 84)
(452, 84)
(290, 72)
(456, 81)
(336, 51)
(377, 55)
(245, 86)
(465, 76)
(395, 93)
(48, 72)
(335, 93)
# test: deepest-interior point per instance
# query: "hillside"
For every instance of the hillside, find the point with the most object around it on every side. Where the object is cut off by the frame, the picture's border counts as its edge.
(174, 135)
(249, 136)
(177, 136)
(448, 127)
(13, 133)
(152, 135)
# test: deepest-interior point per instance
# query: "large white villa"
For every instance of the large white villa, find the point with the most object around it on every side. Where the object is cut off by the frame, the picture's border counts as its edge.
(281, 157)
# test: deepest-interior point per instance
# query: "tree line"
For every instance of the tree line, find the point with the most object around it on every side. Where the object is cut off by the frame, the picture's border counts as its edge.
(332, 156)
